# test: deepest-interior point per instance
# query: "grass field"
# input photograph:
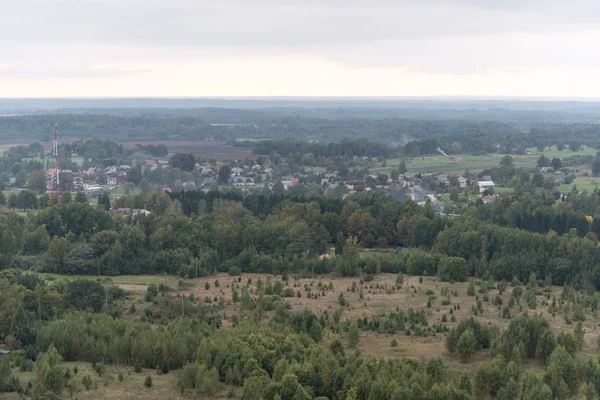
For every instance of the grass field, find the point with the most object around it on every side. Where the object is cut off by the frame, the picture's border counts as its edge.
(475, 164)
(583, 183)
(382, 296)
(107, 386)
(171, 281)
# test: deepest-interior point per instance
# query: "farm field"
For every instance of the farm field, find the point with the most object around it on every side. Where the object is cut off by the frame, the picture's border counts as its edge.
(582, 183)
(218, 150)
(475, 164)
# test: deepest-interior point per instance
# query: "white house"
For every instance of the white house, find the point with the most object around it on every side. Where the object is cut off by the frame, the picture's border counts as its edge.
(483, 185)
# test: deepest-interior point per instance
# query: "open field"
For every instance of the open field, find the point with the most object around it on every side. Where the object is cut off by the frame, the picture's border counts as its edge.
(217, 150)
(381, 296)
(582, 183)
(475, 164)
(376, 298)
(107, 386)
(145, 280)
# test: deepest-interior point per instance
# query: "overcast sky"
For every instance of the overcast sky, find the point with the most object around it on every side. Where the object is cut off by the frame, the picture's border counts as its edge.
(202, 48)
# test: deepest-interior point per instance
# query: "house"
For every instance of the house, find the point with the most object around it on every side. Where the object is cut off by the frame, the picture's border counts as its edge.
(111, 181)
(78, 183)
(462, 181)
(488, 199)
(12, 181)
(236, 171)
(4, 353)
(242, 181)
(93, 191)
(484, 185)
(124, 167)
(131, 211)
(163, 163)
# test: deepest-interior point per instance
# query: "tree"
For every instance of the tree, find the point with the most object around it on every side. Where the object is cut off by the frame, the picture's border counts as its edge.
(224, 174)
(145, 186)
(453, 269)
(556, 164)
(57, 254)
(104, 201)
(80, 197)
(467, 345)
(353, 335)
(2, 199)
(148, 381)
(316, 331)
(455, 147)
(596, 166)
(66, 198)
(27, 200)
(543, 161)
(471, 289)
(454, 194)
(36, 181)
(507, 162)
(402, 167)
(579, 334)
(183, 161)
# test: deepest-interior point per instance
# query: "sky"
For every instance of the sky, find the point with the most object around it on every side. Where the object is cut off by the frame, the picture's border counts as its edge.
(219, 48)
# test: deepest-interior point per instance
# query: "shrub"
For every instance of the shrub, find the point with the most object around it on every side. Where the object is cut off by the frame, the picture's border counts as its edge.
(87, 382)
(148, 382)
(235, 271)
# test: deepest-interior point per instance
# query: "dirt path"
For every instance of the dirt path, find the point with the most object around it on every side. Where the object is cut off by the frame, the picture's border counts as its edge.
(134, 288)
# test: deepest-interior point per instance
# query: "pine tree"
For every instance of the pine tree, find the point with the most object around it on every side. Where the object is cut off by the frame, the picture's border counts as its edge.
(353, 335)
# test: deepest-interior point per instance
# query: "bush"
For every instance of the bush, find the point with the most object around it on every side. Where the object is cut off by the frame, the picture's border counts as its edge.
(137, 367)
(394, 343)
(235, 271)
(87, 382)
(151, 292)
(148, 382)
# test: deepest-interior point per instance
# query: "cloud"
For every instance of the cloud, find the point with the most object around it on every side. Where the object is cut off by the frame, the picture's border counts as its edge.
(155, 40)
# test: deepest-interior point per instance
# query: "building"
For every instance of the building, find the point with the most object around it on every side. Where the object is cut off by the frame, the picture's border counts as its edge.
(111, 181)
(462, 181)
(93, 191)
(131, 211)
(4, 353)
(243, 181)
(484, 185)
(78, 183)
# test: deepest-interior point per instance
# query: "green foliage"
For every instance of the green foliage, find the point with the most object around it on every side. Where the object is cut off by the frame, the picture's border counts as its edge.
(467, 345)
(480, 332)
(86, 380)
(471, 289)
(353, 335)
(148, 381)
(452, 269)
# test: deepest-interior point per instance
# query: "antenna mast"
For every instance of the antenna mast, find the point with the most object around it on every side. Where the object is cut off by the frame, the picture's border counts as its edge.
(55, 171)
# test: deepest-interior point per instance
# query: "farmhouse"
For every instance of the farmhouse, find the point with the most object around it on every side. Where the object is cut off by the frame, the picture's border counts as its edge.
(483, 185)
(111, 181)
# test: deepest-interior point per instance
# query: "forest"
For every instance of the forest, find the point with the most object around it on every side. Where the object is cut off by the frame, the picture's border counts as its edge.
(475, 136)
